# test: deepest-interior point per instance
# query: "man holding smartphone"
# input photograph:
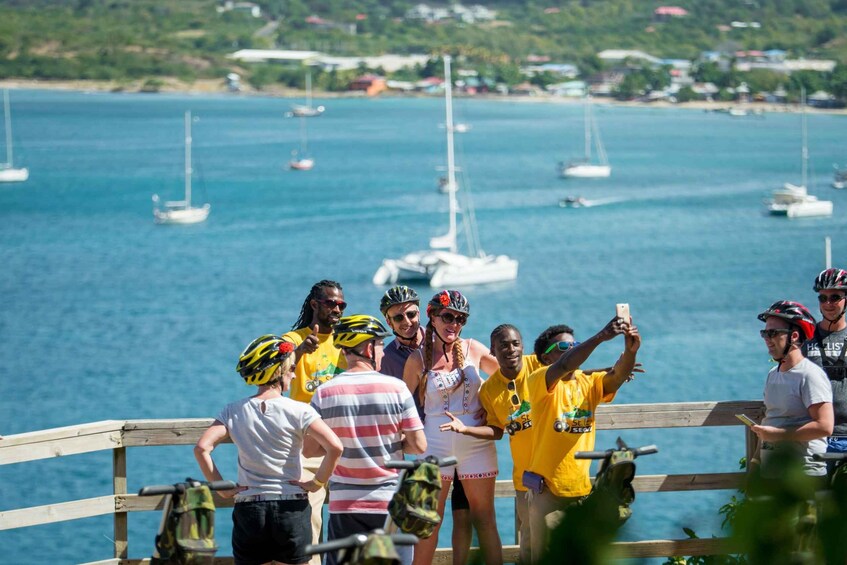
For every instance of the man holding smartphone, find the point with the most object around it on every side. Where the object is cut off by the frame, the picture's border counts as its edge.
(828, 348)
(564, 400)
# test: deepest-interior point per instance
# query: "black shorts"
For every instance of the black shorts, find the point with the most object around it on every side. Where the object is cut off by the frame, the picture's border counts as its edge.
(342, 525)
(458, 500)
(275, 530)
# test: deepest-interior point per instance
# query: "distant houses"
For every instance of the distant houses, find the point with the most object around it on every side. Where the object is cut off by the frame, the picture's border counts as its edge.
(247, 7)
(456, 12)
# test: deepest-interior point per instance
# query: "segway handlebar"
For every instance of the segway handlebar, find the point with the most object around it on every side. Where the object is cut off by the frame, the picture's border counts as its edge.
(413, 464)
(180, 487)
(637, 451)
(356, 540)
(829, 456)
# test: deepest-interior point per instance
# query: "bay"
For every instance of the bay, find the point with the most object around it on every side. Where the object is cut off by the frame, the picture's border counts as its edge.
(106, 316)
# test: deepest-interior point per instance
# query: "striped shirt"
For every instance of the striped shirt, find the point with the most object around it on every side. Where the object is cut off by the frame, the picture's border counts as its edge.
(367, 411)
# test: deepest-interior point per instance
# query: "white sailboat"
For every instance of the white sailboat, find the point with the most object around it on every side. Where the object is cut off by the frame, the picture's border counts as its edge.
(300, 159)
(8, 172)
(307, 110)
(839, 177)
(442, 265)
(181, 211)
(794, 201)
(585, 168)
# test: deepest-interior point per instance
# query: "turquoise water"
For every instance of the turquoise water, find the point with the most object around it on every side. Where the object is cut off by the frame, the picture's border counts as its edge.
(106, 316)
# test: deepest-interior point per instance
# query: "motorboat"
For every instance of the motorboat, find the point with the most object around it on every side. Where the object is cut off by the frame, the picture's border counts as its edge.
(300, 159)
(181, 211)
(442, 265)
(573, 202)
(794, 201)
(587, 167)
(8, 172)
(839, 177)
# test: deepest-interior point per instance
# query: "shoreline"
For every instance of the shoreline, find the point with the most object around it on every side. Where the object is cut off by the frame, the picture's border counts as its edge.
(217, 86)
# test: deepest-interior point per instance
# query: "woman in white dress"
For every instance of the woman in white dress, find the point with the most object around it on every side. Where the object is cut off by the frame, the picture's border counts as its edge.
(446, 377)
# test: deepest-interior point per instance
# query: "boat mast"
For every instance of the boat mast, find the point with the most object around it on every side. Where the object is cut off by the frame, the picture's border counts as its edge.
(805, 152)
(309, 89)
(188, 159)
(586, 122)
(451, 164)
(303, 140)
(8, 126)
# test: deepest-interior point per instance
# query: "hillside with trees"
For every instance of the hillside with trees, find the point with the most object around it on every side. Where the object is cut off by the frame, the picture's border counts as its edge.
(132, 40)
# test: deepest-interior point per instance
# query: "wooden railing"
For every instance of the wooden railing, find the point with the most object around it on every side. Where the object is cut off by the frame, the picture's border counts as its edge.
(118, 435)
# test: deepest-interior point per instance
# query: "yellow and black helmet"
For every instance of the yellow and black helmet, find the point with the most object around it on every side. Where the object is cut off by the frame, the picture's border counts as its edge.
(260, 360)
(350, 331)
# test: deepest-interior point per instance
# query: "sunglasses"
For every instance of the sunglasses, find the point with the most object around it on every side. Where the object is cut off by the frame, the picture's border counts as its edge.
(561, 346)
(329, 303)
(832, 298)
(516, 401)
(411, 316)
(449, 318)
(770, 334)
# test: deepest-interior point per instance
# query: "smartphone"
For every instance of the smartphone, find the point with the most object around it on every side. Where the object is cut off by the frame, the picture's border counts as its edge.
(622, 311)
(746, 419)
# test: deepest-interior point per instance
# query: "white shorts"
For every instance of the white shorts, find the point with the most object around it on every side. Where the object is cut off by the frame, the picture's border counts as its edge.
(477, 458)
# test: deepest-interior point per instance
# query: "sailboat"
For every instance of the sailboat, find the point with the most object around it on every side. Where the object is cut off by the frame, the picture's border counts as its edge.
(307, 110)
(181, 211)
(794, 201)
(585, 168)
(300, 160)
(442, 265)
(8, 173)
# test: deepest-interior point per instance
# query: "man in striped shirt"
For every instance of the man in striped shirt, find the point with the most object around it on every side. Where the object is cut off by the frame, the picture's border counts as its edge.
(374, 415)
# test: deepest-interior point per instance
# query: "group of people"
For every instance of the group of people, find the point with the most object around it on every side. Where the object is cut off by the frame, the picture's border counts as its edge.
(806, 394)
(354, 402)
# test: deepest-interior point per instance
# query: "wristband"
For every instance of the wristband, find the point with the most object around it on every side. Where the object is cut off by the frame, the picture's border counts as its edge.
(318, 481)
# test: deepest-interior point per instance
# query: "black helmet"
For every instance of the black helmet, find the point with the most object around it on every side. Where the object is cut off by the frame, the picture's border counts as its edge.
(831, 279)
(397, 295)
(793, 312)
(350, 331)
(452, 299)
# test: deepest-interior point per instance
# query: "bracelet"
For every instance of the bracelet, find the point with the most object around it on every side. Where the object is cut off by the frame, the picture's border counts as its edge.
(318, 481)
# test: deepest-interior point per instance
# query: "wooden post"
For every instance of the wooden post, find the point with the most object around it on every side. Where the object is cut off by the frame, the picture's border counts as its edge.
(119, 488)
(517, 521)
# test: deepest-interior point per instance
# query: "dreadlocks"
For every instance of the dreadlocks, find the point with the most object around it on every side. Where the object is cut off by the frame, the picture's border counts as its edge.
(495, 333)
(306, 312)
(542, 342)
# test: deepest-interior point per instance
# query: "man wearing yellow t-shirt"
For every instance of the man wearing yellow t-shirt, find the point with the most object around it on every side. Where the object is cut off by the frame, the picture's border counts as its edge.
(317, 361)
(505, 397)
(564, 400)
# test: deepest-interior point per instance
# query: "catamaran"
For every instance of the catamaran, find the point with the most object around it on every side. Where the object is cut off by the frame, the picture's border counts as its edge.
(8, 172)
(442, 265)
(585, 168)
(181, 211)
(792, 200)
(307, 110)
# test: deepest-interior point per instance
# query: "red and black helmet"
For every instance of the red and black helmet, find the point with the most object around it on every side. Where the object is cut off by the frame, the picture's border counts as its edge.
(794, 313)
(452, 299)
(831, 279)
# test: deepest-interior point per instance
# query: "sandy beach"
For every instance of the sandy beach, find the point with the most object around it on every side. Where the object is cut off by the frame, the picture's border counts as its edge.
(218, 86)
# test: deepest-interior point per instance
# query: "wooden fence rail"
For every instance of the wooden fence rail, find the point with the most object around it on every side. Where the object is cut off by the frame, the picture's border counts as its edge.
(118, 435)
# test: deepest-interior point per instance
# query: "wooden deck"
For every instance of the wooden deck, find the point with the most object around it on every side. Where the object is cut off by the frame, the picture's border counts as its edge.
(118, 435)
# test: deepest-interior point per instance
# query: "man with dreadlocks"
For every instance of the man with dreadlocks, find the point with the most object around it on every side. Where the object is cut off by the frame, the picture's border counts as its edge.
(798, 396)
(828, 348)
(317, 361)
(446, 376)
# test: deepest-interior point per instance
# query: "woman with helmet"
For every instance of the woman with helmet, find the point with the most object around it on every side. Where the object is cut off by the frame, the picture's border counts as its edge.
(446, 377)
(798, 396)
(272, 516)
(380, 423)
(828, 349)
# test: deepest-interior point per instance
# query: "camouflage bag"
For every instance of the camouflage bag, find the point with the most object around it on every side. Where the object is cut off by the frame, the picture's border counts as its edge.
(187, 534)
(377, 550)
(614, 478)
(414, 507)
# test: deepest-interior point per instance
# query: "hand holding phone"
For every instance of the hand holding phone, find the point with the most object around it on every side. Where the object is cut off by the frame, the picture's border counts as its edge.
(622, 311)
(746, 419)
